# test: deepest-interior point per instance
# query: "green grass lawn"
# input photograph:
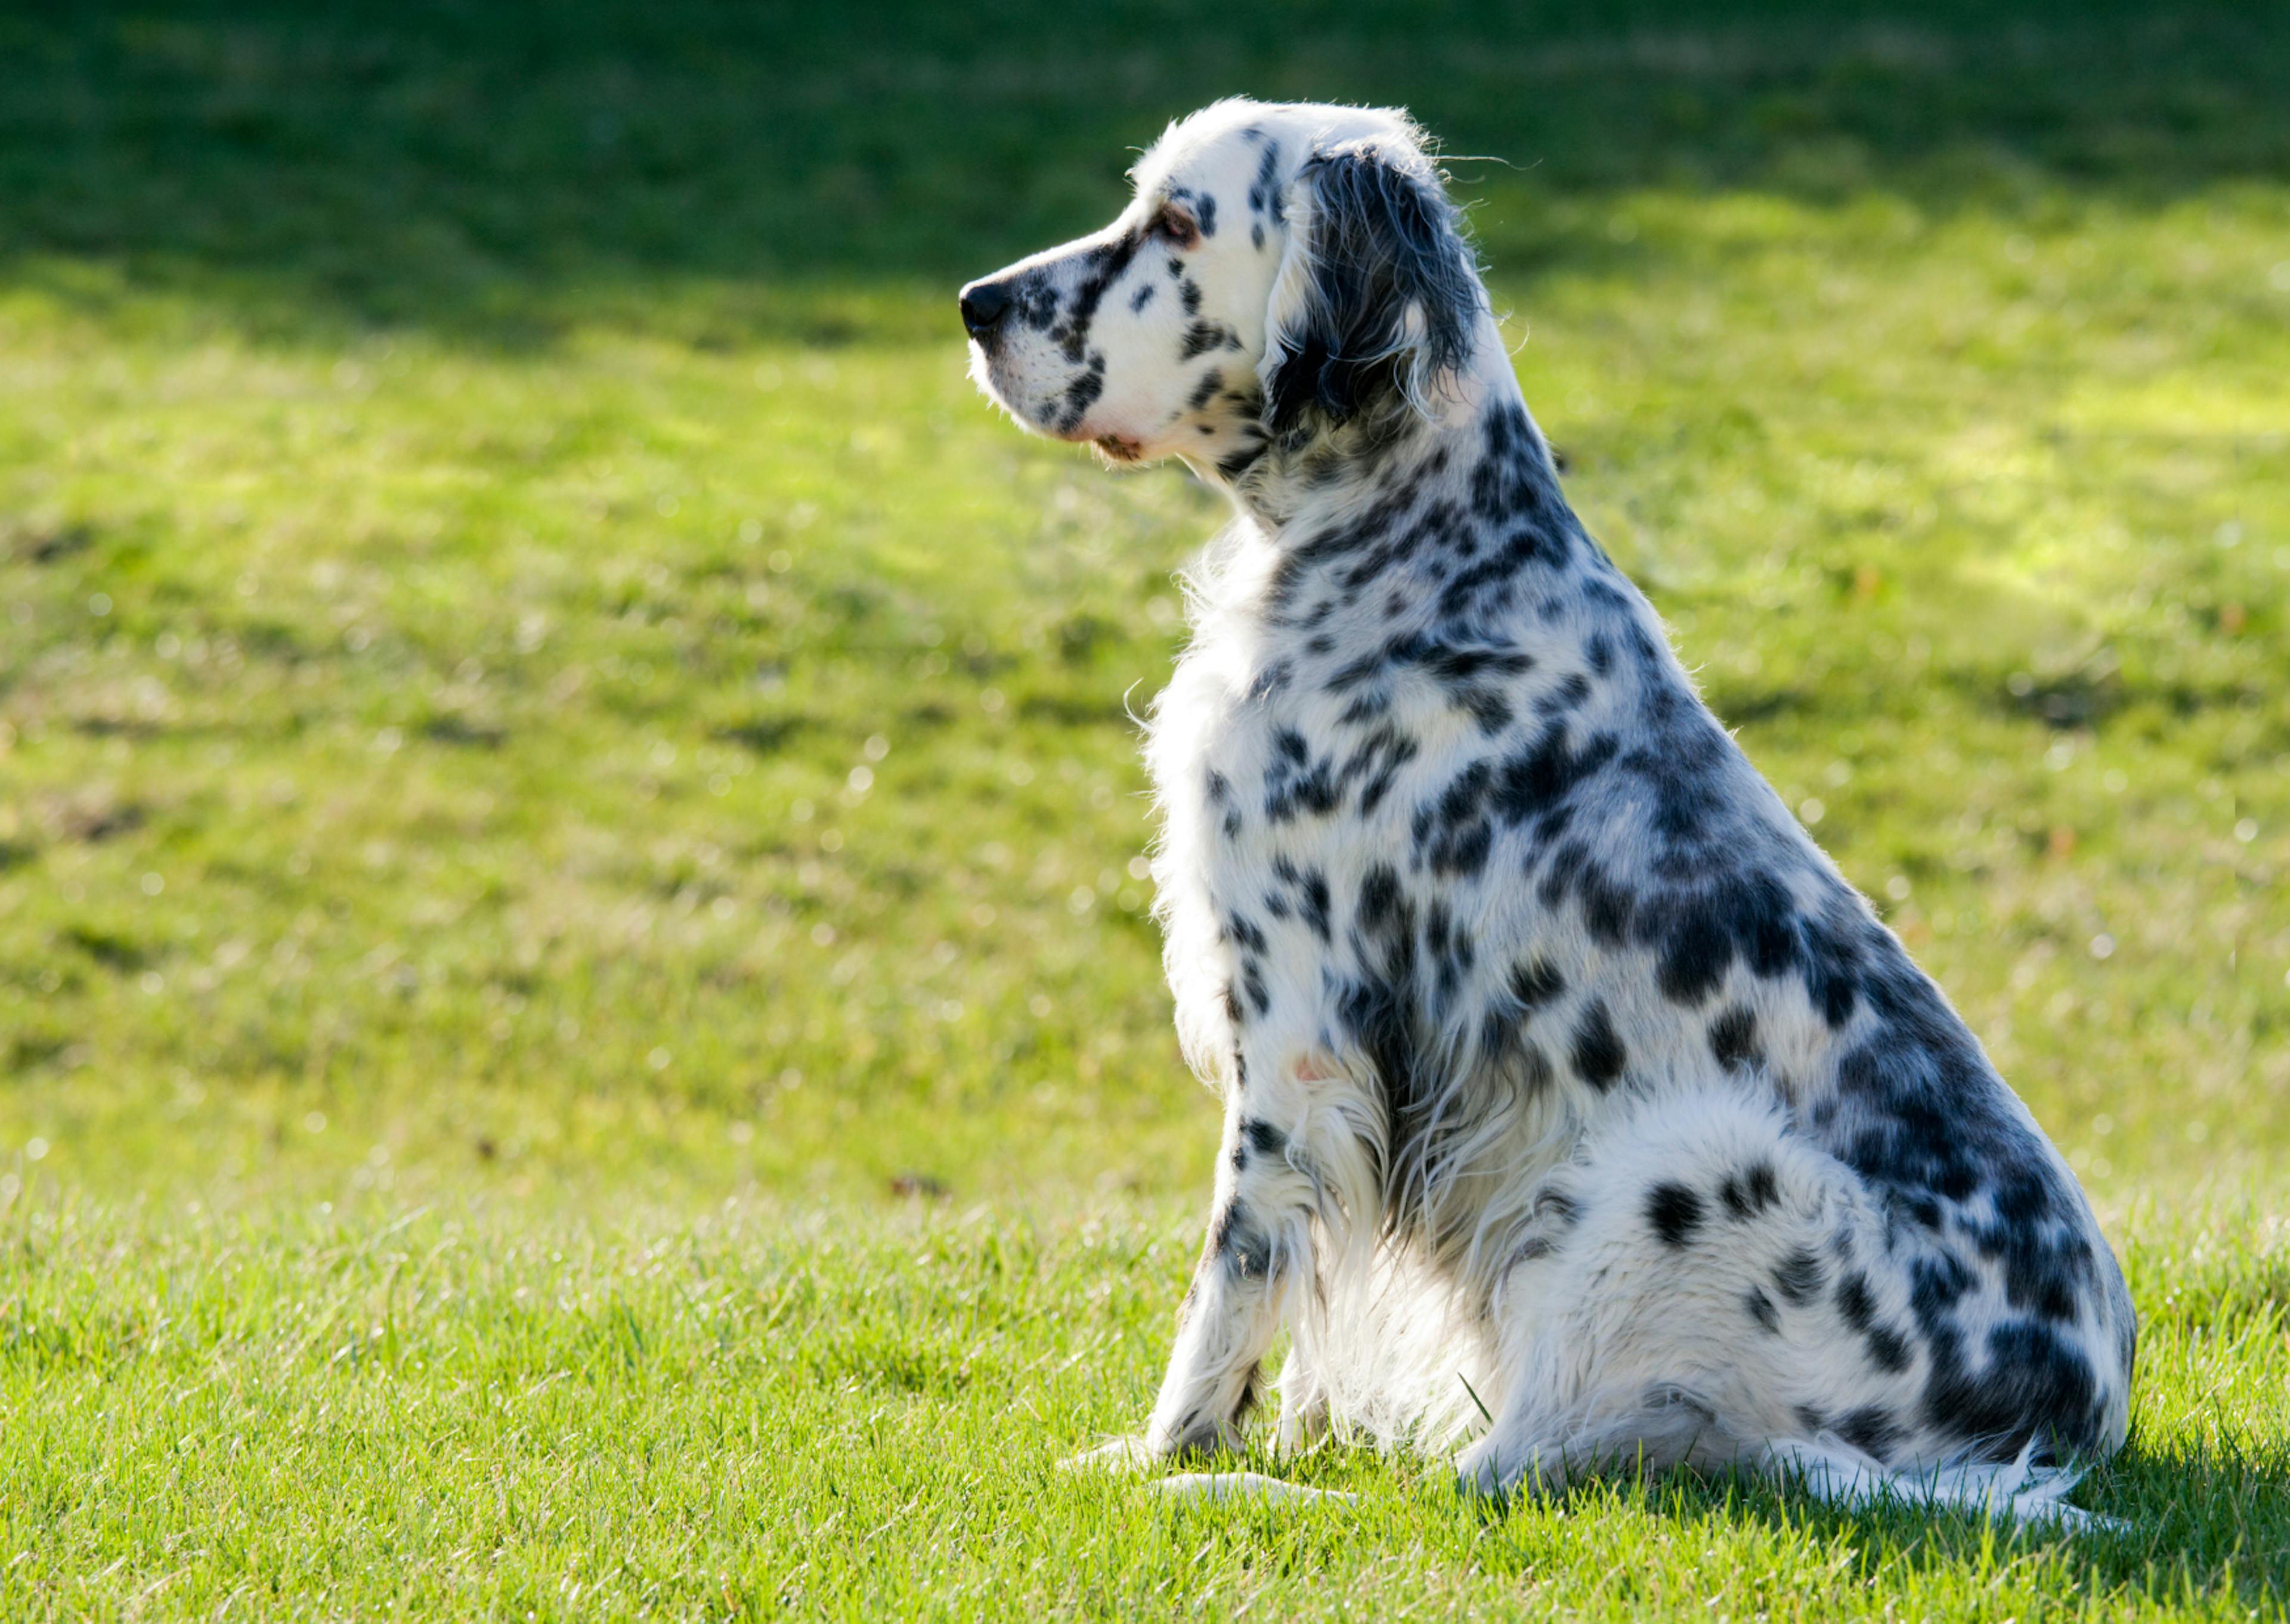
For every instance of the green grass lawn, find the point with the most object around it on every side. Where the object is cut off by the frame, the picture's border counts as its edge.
(579, 1031)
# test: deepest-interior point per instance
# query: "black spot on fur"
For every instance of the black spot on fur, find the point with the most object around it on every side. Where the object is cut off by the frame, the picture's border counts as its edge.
(1750, 1191)
(1310, 886)
(1733, 1039)
(1451, 835)
(1854, 1302)
(1485, 585)
(2034, 1385)
(1205, 390)
(1456, 668)
(1799, 1277)
(1675, 1211)
(1489, 710)
(1142, 297)
(1316, 903)
(1262, 1138)
(1762, 1311)
(1202, 337)
(1274, 678)
(1512, 484)
(1380, 1013)
(1572, 690)
(1695, 957)
(1037, 298)
(1102, 267)
(1608, 906)
(1449, 948)
(1244, 1248)
(1886, 1348)
(1546, 772)
(1081, 395)
(1872, 1429)
(1264, 191)
(1289, 792)
(1832, 965)
(1598, 1055)
(1536, 983)
(1924, 1126)
(1936, 1281)
(1376, 764)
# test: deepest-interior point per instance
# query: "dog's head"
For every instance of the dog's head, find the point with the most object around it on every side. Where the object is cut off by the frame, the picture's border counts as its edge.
(1281, 270)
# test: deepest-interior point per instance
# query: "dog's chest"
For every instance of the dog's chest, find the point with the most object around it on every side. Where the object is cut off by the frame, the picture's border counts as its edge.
(1301, 769)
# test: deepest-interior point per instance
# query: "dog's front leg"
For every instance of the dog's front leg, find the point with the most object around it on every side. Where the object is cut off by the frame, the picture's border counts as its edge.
(1259, 1245)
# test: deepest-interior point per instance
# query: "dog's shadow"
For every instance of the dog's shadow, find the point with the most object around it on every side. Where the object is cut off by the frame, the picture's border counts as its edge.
(2176, 1526)
(2181, 1526)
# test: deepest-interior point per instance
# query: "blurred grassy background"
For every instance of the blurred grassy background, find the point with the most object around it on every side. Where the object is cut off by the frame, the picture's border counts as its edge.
(524, 667)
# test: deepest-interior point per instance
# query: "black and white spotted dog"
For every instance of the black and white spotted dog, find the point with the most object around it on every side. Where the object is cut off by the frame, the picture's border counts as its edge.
(1575, 1105)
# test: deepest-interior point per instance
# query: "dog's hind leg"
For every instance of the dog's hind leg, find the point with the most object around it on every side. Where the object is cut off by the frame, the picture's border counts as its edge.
(1699, 1282)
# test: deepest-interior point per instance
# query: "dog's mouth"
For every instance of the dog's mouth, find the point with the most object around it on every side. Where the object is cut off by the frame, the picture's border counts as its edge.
(1118, 448)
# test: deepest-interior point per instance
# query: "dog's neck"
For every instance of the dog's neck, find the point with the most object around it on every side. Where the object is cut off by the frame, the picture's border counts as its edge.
(1447, 523)
(1283, 482)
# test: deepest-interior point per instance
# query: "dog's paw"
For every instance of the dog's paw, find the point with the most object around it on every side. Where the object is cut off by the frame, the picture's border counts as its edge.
(1301, 1428)
(1246, 1486)
(1128, 1455)
(1479, 1473)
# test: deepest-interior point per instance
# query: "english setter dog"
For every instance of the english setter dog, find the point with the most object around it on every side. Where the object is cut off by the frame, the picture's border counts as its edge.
(1577, 1111)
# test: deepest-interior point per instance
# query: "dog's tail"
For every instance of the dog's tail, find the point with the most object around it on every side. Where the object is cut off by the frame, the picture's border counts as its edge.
(1825, 1467)
(1830, 1469)
(1670, 1428)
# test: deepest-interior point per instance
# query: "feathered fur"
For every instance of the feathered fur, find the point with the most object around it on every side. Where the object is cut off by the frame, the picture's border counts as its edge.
(1577, 1110)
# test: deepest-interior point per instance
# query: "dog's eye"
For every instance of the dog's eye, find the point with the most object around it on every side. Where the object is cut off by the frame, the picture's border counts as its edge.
(1177, 228)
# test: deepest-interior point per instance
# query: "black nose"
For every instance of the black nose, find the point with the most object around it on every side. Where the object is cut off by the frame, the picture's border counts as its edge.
(984, 304)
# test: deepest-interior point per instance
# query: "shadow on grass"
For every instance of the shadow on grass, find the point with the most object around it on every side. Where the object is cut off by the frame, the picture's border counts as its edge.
(2192, 1526)
(2197, 1524)
(727, 174)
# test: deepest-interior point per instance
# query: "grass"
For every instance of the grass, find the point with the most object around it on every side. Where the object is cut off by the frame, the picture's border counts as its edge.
(492, 1413)
(554, 758)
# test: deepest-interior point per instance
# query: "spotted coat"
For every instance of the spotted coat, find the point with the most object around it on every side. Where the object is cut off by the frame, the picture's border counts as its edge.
(1573, 1100)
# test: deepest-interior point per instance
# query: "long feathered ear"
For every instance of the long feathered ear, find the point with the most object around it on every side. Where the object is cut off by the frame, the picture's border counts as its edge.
(1377, 297)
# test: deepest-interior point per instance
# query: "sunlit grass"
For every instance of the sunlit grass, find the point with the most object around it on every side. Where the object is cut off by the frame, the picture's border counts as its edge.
(510, 1407)
(592, 742)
